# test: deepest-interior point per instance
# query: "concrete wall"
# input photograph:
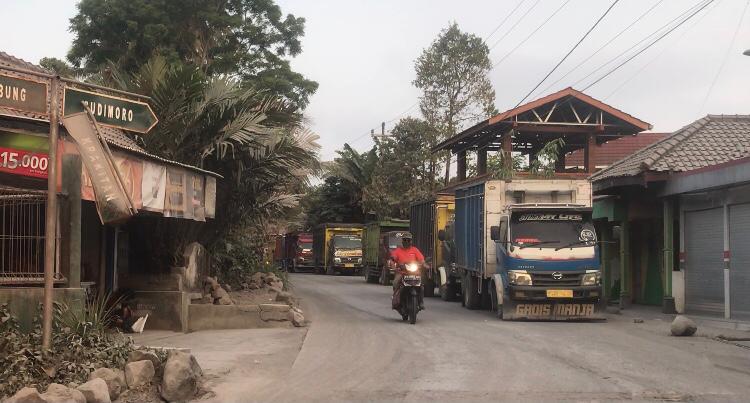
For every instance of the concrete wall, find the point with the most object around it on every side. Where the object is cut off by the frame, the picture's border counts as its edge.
(24, 302)
(207, 316)
(167, 310)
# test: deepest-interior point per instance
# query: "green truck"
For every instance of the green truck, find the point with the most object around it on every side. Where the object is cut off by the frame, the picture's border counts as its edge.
(379, 239)
(337, 248)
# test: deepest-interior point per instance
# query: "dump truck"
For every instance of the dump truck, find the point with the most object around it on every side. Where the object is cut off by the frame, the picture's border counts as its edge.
(527, 249)
(428, 219)
(337, 248)
(296, 251)
(380, 238)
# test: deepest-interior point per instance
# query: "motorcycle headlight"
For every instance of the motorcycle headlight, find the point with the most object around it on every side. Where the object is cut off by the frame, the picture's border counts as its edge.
(412, 267)
(592, 277)
(337, 260)
(519, 277)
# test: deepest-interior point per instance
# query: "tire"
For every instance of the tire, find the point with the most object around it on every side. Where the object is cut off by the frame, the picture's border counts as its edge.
(429, 287)
(493, 298)
(413, 306)
(448, 291)
(292, 268)
(369, 278)
(471, 298)
(381, 279)
(330, 271)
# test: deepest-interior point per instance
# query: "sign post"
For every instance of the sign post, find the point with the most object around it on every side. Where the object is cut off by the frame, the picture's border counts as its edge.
(50, 219)
(120, 113)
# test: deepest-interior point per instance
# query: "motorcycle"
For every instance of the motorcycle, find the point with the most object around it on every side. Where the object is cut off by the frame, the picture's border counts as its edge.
(410, 291)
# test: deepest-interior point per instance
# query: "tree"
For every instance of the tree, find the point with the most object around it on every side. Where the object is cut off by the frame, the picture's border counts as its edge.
(453, 76)
(331, 202)
(405, 170)
(251, 39)
(354, 170)
(238, 132)
(57, 66)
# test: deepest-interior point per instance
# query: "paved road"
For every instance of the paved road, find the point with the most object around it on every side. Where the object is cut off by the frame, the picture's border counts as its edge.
(357, 349)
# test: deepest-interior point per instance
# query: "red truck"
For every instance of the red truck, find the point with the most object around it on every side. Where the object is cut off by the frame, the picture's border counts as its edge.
(294, 252)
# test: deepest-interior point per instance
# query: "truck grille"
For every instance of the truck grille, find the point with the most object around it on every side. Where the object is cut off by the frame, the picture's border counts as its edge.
(350, 259)
(545, 278)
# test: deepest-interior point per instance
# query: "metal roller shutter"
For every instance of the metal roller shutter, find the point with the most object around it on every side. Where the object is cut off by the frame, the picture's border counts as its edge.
(704, 271)
(739, 270)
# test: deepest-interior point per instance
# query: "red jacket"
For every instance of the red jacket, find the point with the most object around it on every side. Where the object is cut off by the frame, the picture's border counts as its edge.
(402, 255)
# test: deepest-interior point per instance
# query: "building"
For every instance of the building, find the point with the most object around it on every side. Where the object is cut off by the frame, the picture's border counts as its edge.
(90, 256)
(677, 214)
(613, 150)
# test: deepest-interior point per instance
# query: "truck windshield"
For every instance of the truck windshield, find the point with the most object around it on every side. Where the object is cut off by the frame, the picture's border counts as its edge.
(347, 242)
(305, 245)
(552, 229)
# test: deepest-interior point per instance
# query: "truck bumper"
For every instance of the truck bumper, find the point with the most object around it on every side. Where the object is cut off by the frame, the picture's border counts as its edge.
(532, 303)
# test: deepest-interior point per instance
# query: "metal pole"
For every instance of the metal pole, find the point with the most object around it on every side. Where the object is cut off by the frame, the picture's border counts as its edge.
(51, 218)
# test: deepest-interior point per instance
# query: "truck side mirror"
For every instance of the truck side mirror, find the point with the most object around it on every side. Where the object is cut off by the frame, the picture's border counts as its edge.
(441, 235)
(495, 233)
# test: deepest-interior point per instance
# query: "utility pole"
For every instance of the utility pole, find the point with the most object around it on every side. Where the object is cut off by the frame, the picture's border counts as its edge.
(51, 216)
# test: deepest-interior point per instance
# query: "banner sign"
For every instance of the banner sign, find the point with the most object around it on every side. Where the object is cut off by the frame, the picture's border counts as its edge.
(131, 171)
(111, 200)
(154, 186)
(23, 95)
(110, 111)
(25, 163)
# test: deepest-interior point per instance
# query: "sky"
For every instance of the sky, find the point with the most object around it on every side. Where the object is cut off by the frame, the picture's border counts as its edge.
(362, 54)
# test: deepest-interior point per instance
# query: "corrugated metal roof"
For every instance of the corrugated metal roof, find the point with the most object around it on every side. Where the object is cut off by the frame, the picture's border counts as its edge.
(615, 150)
(712, 140)
(12, 61)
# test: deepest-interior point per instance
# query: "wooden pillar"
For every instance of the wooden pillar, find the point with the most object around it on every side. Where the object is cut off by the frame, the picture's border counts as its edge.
(625, 261)
(461, 165)
(560, 162)
(668, 253)
(70, 228)
(482, 161)
(589, 154)
(508, 150)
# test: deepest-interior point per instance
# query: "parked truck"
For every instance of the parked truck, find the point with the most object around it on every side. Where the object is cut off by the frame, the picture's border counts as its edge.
(296, 251)
(527, 249)
(337, 248)
(380, 238)
(429, 219)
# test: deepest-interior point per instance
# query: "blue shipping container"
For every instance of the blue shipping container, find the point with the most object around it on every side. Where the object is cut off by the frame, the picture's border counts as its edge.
(470, 228)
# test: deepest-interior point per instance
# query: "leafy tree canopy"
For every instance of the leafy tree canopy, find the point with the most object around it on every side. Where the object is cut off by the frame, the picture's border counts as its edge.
(251, 39)
(57, 66)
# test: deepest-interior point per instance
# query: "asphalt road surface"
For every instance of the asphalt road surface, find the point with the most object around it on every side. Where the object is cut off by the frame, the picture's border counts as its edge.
(358, 349)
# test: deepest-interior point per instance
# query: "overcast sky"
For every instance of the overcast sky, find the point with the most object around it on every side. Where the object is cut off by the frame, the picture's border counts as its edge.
(362, 54)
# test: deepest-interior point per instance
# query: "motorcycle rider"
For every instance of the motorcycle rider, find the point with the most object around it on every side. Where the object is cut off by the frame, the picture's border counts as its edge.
(405, 254)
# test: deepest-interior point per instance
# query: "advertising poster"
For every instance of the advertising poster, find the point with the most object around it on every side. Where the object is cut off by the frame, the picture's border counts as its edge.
(153, 186)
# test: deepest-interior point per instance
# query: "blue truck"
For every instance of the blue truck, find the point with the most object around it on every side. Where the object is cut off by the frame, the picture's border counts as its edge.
(527, 249)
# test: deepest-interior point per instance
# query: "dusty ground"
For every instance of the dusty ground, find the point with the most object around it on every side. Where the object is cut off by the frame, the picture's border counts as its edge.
(357, 349)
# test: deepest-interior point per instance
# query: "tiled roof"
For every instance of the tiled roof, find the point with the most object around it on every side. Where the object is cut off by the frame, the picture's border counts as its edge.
(615, 150)
(712, 140)
(12, 61)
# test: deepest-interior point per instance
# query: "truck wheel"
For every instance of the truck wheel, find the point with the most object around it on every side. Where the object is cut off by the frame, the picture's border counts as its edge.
(493, 298)
(369, 277)
(448, 291)
(330, 271)
(471, 298)
(429, 288)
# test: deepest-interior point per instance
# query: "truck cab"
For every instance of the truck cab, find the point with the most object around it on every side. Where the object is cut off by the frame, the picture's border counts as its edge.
(548, 259)
(345, 253)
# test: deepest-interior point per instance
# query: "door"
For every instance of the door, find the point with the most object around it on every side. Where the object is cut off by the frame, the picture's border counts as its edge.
(739, 269)
(704, 268)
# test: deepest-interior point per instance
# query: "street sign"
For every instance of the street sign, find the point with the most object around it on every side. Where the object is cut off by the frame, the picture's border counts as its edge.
(23, 95)
(110, 111)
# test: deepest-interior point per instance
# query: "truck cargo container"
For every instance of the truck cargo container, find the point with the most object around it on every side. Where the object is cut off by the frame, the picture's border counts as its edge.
(527, 249)
(427, 220)
(337, 248)
(380, 238)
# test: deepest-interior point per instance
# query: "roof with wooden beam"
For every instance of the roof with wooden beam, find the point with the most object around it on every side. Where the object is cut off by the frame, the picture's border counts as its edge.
(567, 113)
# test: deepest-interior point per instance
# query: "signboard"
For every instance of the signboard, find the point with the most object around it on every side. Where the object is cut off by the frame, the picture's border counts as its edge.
(23, 95)
(112, 203)
(24, 154)
(110, 111)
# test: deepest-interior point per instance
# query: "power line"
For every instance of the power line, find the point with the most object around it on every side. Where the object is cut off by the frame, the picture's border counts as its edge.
(726, 55)
(644, 39)
(679, 38)
(569, 52)
(531, 34)
(515, 25)
(604, 46)
(648, 46)
(504, 20)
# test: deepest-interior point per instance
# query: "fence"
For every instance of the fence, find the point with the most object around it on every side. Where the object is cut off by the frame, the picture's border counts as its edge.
(22, 236)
